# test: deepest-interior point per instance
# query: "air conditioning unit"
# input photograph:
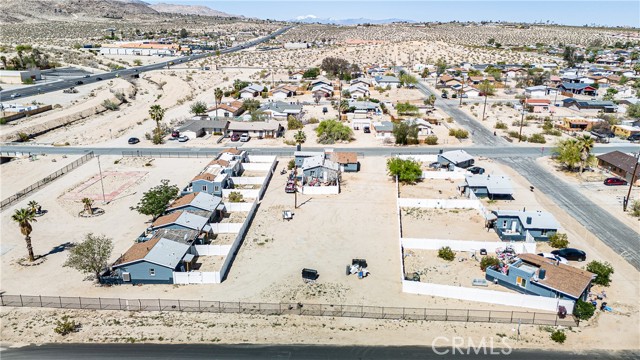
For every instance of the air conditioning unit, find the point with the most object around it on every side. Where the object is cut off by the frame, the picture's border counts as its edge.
(126, 277)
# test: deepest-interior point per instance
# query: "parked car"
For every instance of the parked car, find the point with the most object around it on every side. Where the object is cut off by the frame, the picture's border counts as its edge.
(435, 165)
(444, 96)
(571, 254)
(183, 138)
(98, 79)
(324, 110)
(175, 133)
(245, 137)
(553, 257)
(476, 170)
(79, 82)
(133, 141)
(464, 96)
(612, 181)
(634, 137)
(13, 96)
(366, 130)
(235, 137)
(86, 76)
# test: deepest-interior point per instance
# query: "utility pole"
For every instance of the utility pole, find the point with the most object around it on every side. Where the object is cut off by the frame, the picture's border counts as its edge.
(625, 201)
(295, 187)
(462, 89)
(486, 88)
(104, 200)
(522, 120)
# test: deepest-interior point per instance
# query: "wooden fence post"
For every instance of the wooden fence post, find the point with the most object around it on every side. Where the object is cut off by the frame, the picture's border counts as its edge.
(467, 315)
(159, 305)
(80, 301)
(511, 316)
(446, 315)
(534, 318)
(100, 303)
(21, 303)
(199, 309)
(120, 303)
(40, 300)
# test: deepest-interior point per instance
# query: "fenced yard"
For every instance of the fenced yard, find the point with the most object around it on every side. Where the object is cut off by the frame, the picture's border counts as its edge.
(353, 311)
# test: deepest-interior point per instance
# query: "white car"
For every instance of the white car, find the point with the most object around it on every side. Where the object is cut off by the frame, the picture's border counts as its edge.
(245, 137)
(553, 257)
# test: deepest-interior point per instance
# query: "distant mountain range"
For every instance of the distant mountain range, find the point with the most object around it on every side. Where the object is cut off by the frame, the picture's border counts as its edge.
(312, 19)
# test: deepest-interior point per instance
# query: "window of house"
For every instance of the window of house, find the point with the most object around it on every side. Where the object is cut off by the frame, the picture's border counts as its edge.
(152, 272)
(543, 232)
(216, 188)
(312, 173)
(520, 281)
(204, 187)
(504, 223)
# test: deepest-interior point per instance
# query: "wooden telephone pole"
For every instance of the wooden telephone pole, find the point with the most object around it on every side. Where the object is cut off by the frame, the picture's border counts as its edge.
(625, 201)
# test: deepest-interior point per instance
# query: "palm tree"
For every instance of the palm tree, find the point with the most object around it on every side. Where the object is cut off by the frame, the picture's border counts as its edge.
(33, 206)
(157, 114)
(300, 137)
(586, 143)
(88, 205)
(485, 87)
(218, 93)
(24, 217)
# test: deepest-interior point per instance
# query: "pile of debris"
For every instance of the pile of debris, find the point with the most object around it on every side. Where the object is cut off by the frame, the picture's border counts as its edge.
(358, 267)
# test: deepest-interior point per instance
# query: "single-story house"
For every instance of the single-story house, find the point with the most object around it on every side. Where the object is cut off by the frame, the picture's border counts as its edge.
(424, 127)
(514, 72)
(606, 106)
(578, 88)
(348, 161)
(153, 261)
(624, 130)
(319, 168)
(536, 92)
(448, 81)
(365, 83)
(299, 156)
(251, 91)
(296, 75)
(486, 185)
(322, 90)
(477, 80)
(575, 123)
(198, 203)
(539, 105)
(259, 129)
(211, 183)
(280, 110)
(620, 164)
(384, 81)
(514, 225)
(284, 91)
(470, 91)
(532, 274)
(458, 158)
(357, 91)
(182, 220)
(383, 129)
(368, 106)
(321, 81)
(198, 128)
(228, 109)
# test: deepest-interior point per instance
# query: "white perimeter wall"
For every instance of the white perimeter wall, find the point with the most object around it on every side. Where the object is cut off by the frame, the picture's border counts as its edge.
(443, 175)
(320, 190)
(421, 158)
(196, 277)
(238, 207)
(246, 193)
(211, 250)
(256, 166)
(260, 159)
(225, 228)
(249, 180)
(487, 296)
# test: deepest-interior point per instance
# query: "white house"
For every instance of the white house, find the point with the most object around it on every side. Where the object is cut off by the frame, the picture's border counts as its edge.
(536, 92)
(251, 91)
(358, 91)
(384, 81)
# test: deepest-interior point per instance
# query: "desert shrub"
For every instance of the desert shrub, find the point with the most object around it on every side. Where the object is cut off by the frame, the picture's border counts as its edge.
(446, 253)
(65, 326)
(110, 105)
(23, 137)
(558, 241)
(635, 208)
(291, 164)
(537, 138)
(431, 140)
(501, 125)
(235, 197)
(459, 133)
(558, 336)
(313, 121)
(488, 261)
(518, 122)
(294, 124)
(407, 170)
(603, 272)
(28, 81)
(583, 310)
(515, 135)
(553, 132)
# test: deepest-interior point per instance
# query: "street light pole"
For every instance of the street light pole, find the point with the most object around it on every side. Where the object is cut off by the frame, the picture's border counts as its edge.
(625, 201)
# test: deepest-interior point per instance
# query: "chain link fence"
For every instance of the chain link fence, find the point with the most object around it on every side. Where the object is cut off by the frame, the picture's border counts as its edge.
(26, 191)
(353, 311)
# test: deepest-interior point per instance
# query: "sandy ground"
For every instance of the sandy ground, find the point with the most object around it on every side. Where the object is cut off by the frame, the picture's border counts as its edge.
(445, 224)
(22, 172)
(591, 185)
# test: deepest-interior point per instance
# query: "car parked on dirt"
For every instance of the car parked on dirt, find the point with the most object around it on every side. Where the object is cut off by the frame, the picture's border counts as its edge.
(571, 254)
(133, 141)
(235, 137)
(613, 181)
(553, 257)
(183, 138)
(245, 137)
(476, 170)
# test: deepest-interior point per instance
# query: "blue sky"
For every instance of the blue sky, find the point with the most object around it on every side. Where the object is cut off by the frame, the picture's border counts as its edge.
(572, 12)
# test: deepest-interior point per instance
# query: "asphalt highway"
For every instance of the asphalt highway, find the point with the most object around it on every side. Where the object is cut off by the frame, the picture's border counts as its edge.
(88, 79)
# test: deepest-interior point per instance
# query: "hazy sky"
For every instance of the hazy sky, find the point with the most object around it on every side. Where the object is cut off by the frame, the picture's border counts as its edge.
(572, 12)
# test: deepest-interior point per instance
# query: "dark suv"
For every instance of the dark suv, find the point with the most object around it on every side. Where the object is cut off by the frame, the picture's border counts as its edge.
(571, 254)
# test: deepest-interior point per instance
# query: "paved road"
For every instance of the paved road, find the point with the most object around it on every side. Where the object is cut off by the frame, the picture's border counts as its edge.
(246, 351)
(618, 236)
(9, 149)
(88, 79)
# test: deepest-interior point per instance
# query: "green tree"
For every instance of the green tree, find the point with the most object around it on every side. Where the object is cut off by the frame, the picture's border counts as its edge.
(24, 217)
(198, 108)
(568, 152)
(250, 105)
(33, 206)
(583, 310)
(586, 144)
(184, 33)
(445, 253)
(406, 109)
(300, 137)
(407, 170)
(155, 201)
(156, 112)
(441, 66)
(88, 205)
(294, 123)
(405, 133)
(569, 55)
(559, 240)
(602, 270)
(137, 62)
(91, 255)
(634, 111)
(407, 79)
(218, 93)
(311, 73)
(336, 67)
(330, 131)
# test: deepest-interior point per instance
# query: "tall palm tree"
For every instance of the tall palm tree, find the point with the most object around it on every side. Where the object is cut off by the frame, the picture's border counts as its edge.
(485, 87)
(33, 206)
(218, 93)
(24, 217)
(88, 205)
(157, 114)
(586, 145)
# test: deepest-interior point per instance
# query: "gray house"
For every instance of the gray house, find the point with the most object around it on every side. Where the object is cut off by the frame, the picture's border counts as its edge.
(199, 203)
(491, 186)
(514, 225)
(183, 220)
(152, 262)
(199, 128)
(317, 168)
(211, 183)
(348, 161)
(251, 91)
(280, 110)
(458, 158)
(535, 275)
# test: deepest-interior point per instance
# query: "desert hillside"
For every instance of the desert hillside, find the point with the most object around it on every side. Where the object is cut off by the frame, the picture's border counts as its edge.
(189, 10)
